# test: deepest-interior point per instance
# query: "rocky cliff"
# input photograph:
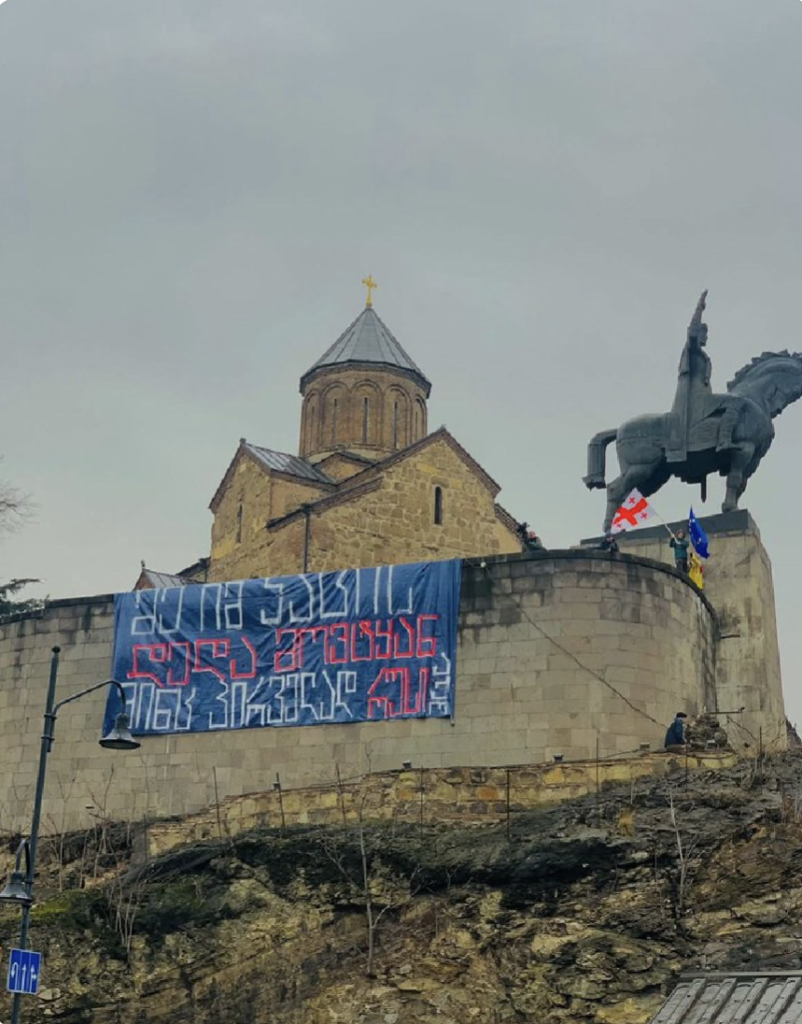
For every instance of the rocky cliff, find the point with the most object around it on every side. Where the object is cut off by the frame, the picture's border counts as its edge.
(582, 912)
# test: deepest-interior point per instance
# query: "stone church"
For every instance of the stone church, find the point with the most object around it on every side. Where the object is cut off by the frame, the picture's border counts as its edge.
(369, 485)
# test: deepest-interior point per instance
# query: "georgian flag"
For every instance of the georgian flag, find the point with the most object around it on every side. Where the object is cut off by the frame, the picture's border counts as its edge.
(635, 510)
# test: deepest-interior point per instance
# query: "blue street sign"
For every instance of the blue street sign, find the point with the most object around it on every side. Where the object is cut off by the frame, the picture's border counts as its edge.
(23, 971)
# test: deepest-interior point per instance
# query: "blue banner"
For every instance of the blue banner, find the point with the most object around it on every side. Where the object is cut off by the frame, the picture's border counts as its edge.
(352, 646)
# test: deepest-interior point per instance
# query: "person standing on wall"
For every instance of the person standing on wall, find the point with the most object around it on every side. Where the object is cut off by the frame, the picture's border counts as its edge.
(529, 538)
(680, 544)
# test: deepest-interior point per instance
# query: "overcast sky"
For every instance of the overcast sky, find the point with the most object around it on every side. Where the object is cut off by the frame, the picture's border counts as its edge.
(190, 192)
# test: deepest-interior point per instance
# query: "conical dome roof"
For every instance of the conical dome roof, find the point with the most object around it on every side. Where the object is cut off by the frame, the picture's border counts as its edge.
(368, 340)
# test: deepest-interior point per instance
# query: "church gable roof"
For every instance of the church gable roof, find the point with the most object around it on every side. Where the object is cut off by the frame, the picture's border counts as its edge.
(368, 340)
(371, 477)
(438, 435)
(149, 579)
(272, 462)
(342, 465)
(282, 462)
(507, 520)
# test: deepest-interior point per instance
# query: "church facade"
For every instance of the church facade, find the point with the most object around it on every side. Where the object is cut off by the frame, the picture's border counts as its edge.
(369, 485)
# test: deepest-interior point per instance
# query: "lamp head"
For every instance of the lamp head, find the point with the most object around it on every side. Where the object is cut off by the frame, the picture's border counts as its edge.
(16, 890)
(120, 738)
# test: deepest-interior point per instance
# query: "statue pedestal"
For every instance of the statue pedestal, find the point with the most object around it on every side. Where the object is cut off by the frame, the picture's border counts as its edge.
(738, 583)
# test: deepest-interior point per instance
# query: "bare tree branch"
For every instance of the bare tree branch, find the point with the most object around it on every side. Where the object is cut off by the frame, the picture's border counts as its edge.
(16, 507)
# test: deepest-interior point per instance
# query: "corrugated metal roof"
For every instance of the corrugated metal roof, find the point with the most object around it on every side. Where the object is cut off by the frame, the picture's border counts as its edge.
(292, 464)
(368, 340)
(159, 580)
(774, 997)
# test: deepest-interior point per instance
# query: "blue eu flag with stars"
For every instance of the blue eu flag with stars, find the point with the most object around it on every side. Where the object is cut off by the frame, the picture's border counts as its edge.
(698, 536)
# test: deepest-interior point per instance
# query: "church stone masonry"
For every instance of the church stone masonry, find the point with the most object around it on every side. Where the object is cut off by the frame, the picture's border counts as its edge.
(369, 486)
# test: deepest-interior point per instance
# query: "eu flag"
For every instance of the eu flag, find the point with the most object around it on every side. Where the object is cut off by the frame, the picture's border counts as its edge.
(698, 536)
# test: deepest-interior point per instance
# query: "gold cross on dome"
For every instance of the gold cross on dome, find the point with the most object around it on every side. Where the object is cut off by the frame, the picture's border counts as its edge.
(370, 284)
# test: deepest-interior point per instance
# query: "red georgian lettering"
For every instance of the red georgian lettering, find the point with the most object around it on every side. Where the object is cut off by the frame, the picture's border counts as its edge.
(339, 633)
(398, 640)
(184, 647)
(360, 631)
(309, 633)
(427, 645)
(217, 649)
(420, 696)
(154, 653)
(388, 707)
(251, 673)
(287, 659)
(383, 653)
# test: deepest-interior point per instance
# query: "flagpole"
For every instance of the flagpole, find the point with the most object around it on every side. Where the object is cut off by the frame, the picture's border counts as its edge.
(671, 532)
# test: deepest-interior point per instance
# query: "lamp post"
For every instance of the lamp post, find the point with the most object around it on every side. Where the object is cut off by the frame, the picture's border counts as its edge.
(19, 889)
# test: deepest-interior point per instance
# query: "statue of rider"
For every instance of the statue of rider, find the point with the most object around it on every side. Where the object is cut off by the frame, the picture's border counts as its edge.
(694, 400)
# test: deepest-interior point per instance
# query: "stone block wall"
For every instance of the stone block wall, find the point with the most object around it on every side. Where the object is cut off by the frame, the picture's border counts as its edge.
(560, 653)
(581, 650)
(739, 585)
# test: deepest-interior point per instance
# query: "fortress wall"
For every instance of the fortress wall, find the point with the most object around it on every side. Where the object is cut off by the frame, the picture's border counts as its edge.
(739, 585)
(642, 629)
(519, 698)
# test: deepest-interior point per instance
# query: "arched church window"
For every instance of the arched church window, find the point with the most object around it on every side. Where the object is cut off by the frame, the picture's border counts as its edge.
(334, 420)
(395, 424)
(311, 423)
(438, 506)
(365, 419)
(239, 523)
(419, 419)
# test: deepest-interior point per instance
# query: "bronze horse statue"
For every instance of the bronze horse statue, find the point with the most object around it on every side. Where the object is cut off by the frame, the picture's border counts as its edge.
(704, 432)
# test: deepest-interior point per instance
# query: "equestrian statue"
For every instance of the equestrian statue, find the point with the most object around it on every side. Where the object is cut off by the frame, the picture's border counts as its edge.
(704, 432)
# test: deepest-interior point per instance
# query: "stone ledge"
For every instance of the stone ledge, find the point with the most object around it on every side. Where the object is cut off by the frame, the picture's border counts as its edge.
(470, 795)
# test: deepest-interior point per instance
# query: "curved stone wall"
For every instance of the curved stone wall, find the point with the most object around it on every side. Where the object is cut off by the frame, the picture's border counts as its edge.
(577, 646)
(569, 653)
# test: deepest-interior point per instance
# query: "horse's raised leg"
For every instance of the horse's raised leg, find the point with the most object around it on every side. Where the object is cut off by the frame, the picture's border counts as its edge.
(736, 478)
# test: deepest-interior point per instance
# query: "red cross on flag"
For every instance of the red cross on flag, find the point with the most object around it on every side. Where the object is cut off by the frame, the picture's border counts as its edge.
(635, 510)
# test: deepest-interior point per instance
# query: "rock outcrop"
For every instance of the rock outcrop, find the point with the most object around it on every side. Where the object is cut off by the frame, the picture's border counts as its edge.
(584, 912)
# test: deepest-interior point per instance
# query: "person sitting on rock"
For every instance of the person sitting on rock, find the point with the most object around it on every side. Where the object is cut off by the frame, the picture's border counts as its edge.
(680, 544)
(609, 544)
(675, 736)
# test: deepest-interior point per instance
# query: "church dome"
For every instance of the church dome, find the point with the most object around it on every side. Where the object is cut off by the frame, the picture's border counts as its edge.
(368, 340)
(364, 396)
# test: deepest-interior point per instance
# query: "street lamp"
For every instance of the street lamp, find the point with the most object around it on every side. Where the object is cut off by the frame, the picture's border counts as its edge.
(119, 738)
(19, 889)
(16, 890)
